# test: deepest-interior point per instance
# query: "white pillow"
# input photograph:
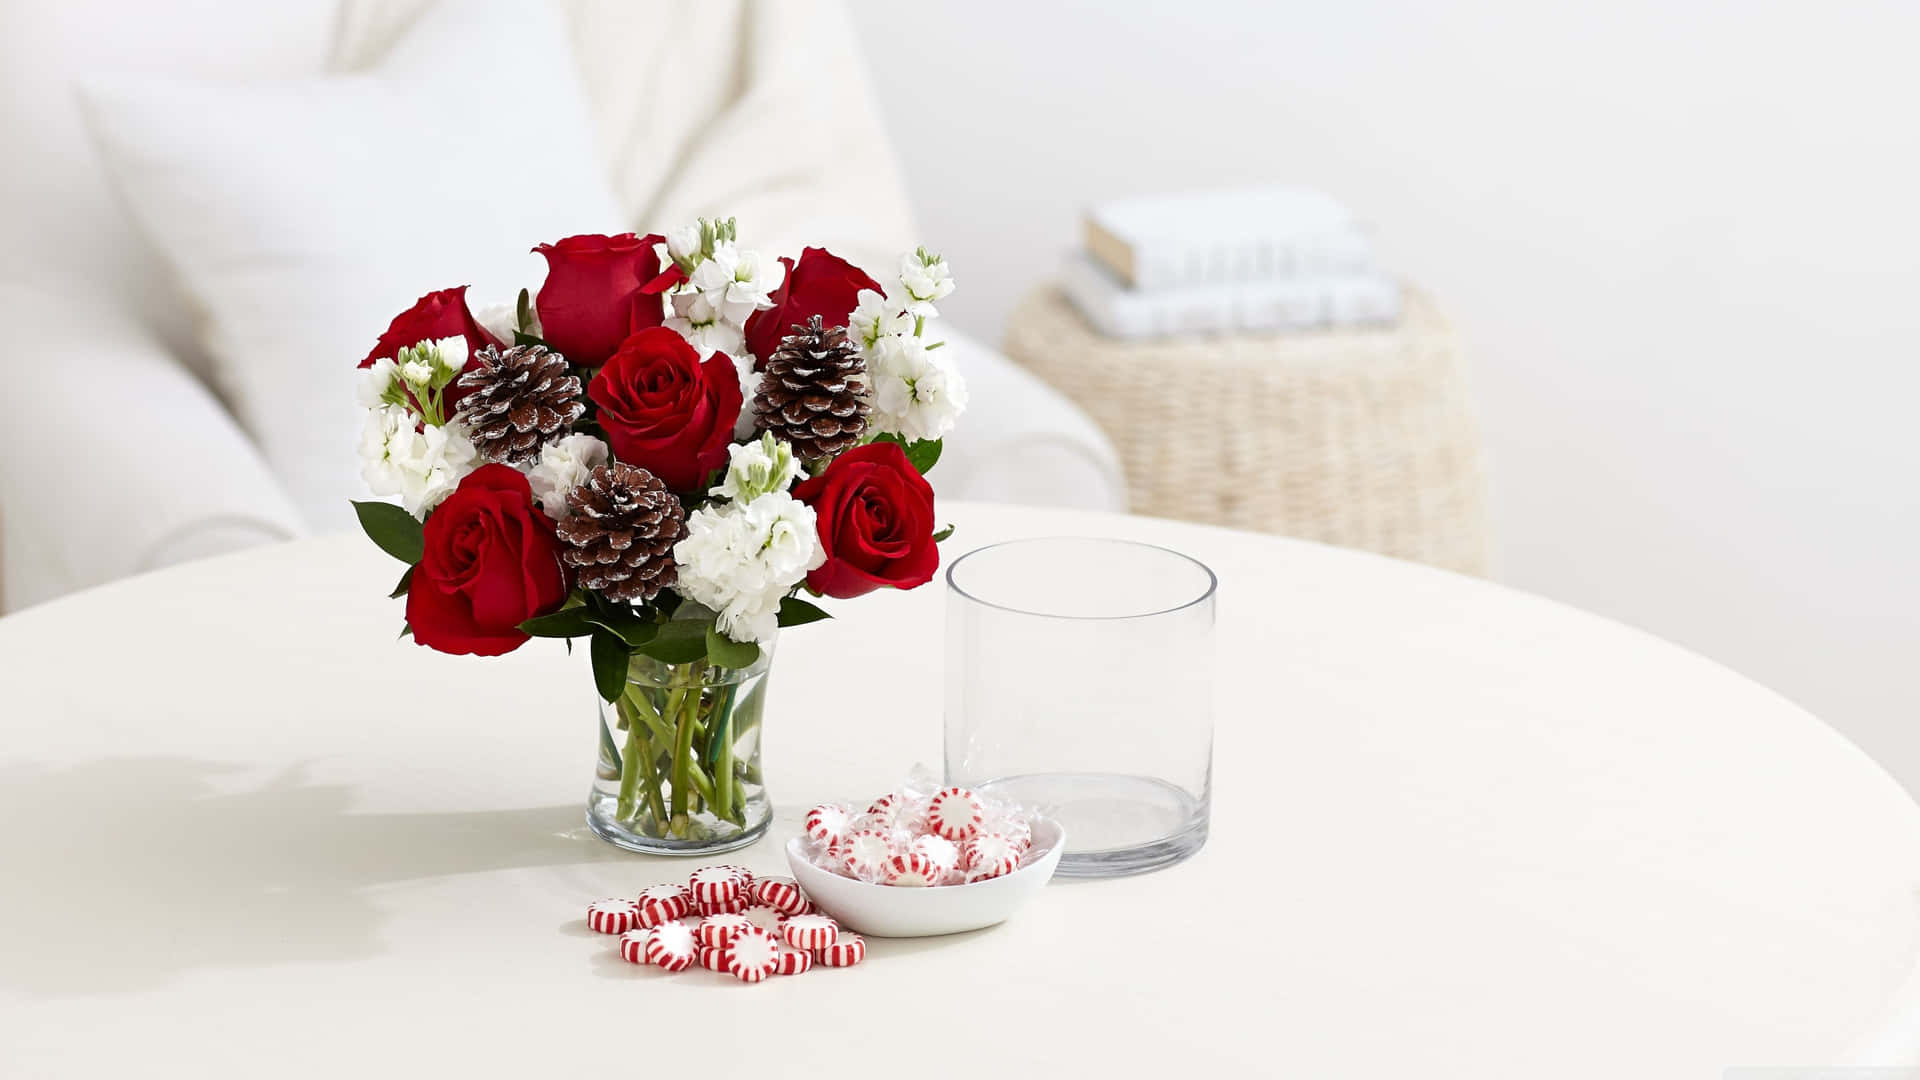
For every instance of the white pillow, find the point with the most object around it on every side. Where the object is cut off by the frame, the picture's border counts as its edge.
(303, 216)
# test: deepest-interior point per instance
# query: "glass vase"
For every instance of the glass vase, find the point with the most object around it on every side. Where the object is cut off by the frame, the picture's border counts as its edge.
(1080, 678)
(678, 769)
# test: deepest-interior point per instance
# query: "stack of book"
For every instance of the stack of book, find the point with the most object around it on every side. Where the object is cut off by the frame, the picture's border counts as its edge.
(1225, 261)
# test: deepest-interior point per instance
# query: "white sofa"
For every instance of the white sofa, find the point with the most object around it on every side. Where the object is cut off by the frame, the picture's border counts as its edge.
(117, 456)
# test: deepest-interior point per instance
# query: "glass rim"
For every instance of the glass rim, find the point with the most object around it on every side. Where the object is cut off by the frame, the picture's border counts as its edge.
(1213, 580)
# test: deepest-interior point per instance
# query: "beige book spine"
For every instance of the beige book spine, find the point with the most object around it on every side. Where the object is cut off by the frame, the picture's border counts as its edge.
(1114, 253)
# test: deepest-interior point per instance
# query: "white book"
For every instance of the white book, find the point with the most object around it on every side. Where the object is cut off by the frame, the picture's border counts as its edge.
(1297, 303)
(1163, 241)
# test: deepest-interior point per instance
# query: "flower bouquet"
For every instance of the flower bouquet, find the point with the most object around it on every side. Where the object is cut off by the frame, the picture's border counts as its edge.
(666, 449)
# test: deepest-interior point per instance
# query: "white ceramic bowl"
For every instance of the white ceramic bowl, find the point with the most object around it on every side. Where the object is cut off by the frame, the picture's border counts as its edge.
(885, 911)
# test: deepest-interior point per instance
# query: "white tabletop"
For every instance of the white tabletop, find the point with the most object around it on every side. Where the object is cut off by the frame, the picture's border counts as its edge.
(1458, 831)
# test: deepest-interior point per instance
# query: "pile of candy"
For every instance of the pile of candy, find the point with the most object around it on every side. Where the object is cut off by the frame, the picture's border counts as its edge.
(949, 837)
(725, 919)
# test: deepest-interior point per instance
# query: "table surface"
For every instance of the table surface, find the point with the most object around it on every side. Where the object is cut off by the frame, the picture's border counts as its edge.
(1458, 831)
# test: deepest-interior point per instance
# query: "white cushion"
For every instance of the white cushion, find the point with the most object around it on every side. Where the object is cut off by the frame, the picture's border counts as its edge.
(303, 215)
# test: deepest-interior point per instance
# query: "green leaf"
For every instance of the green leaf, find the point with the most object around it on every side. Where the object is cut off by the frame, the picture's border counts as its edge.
(610, 657)
(943, 534)
(726, 652)
(393, 529)
(922, 454)
(406, 582)
(523, 313)
(521, 337)
(621, 620)
(797, 612)
(566, 623)
(406, 630)
(679, 642)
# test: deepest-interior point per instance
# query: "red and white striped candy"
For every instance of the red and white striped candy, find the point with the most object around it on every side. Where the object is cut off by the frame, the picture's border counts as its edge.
(715, 884)
(717, 931)
(781, 894)
(671, 946)
(867, 852)
(648, 916)
(828, 822)
(745, 875)
(675, 897)
(612, 915)
(793, 961)
(723, 907)
(943, 853)
(753, 955)
(765, 918)
(1019, 831)
(989, 855)
(846, 952)
(955, 813)
(886, 810)
(913, 871)
(811, 931)
(712, 958)
(633, 946)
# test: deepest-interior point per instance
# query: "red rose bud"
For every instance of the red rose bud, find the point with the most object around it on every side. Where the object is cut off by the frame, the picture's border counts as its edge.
(492, 561)
(599, 289)
(666, 411)
(874, 512)
(822, 284)
(436, 315)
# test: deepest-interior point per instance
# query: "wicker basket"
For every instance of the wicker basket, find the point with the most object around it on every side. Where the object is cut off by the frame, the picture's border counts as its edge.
(1363, 438)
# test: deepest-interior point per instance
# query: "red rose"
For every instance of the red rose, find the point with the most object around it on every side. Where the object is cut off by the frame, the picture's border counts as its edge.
(664, 410)
(598, 290)
(436, 315)
(822, 284)
(875, 515)
(492, 561)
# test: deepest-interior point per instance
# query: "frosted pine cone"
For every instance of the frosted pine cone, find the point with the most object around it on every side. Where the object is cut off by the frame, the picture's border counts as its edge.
(517, 399)
(621, 533)
(813, 392)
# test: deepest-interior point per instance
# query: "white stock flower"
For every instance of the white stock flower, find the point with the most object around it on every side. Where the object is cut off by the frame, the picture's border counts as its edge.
(563, 465)
(925, 279)
(418, 373)
(376, 383)
(710, 337)
(421, 465)
(501, 320)
(744, 427)
(742, 559)
(736, 283)
(917, 392)
(758, 468)
(875, 317)
(683, 244)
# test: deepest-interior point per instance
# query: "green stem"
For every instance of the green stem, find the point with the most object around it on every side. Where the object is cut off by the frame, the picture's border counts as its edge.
(682, 750)
(629, 765)
(720, 754)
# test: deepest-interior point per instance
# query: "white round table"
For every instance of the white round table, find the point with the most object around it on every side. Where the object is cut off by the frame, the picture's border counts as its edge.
(1457, 831)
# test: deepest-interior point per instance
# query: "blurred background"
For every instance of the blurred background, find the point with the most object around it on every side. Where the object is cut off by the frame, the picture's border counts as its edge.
(1678, 241)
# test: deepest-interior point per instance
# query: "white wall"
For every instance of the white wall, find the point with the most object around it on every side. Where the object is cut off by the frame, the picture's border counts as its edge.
(1681, 240)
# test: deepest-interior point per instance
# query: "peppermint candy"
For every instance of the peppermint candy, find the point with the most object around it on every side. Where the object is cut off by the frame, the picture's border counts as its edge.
(955, 813)
(633, 946)
(723, 907)
(780, 894)
(941, 852)
(718, 931)
(765, 918)
(866, 852)
(847, 951)
(913, 870)
(793, 961)
(752, 955)
(811, 931)
(716, 884)
(612, 916)
(672, 898)
(828, 823)
(670, 946)
(712, 958)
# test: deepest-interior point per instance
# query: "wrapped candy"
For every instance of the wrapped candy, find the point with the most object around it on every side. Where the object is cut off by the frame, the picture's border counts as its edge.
(924, 835)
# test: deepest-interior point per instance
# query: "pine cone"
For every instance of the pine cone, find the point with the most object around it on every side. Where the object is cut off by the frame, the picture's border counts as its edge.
(621, 532)
(812, 393)
(516, 400)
